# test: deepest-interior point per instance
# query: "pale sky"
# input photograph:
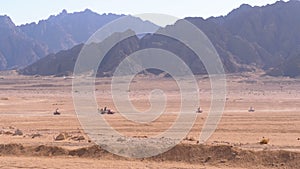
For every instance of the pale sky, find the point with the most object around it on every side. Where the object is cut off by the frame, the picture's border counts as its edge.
(27, 11)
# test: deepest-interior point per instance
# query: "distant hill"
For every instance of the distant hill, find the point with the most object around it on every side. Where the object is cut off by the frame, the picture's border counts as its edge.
(25, 44)
(272, 30)
(63, 62)
(17, 49)
(290, 68)
(246, 39)
(59, 64)
(66, 30)
(265, 37)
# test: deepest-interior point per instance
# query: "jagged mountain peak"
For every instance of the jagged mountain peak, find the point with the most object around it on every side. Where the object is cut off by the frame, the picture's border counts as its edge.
(5, 21)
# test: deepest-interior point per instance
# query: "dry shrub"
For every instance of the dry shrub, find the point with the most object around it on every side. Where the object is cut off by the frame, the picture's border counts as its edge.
(190, 138)
(264, 141)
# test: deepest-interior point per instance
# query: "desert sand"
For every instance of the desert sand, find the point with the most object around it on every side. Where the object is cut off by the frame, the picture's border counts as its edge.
(27, 105)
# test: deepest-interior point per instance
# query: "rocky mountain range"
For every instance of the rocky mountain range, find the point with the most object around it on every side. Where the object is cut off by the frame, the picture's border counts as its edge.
(66, 30)
(25, 44)
(248, 38)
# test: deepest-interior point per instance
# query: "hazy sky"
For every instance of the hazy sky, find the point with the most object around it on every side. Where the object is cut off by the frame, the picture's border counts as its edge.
(26, 11)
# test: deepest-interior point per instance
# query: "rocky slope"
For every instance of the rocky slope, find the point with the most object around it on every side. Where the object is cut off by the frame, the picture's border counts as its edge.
(17, 49)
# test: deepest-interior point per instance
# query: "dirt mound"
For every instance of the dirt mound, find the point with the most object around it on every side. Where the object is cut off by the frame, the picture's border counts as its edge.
(11, 149)
(90, 152)
(47, 151)
(193, 154)
(232, 156)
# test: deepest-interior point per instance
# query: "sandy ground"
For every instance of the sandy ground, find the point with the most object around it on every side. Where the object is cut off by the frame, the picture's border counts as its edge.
(27, 104)
(79, 163)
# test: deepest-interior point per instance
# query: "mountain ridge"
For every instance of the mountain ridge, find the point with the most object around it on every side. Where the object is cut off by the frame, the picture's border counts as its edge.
(13, 43)
(248, 38)
(25, 44)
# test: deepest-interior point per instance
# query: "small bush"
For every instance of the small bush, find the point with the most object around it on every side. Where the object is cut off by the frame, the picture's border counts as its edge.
(190, 138)
(264, 141)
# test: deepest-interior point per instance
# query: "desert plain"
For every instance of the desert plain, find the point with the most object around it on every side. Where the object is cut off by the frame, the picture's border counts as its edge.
(29, 130)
